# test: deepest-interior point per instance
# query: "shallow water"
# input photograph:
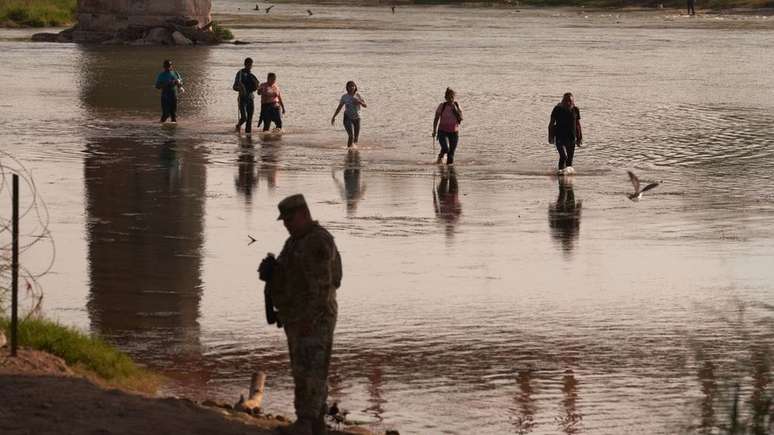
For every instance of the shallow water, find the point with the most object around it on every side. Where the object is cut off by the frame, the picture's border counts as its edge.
(491, 298)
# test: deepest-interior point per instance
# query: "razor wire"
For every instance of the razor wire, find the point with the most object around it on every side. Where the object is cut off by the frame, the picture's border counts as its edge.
(34, 236)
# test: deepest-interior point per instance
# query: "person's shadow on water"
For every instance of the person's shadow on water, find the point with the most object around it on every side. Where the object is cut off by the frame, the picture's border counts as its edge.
(446, 200)
(353, 188)
(564, 215)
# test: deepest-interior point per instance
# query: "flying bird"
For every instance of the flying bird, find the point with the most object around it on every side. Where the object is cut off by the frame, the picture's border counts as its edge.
(393, 10)
(309, 11)
(257, 8)
(252, 240)
(636, 183)
(268, 9)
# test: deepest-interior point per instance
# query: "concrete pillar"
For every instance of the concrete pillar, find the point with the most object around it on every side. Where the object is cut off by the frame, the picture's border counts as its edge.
(115, 15)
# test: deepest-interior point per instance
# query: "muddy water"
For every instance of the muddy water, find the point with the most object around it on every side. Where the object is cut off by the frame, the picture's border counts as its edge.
(490, 298)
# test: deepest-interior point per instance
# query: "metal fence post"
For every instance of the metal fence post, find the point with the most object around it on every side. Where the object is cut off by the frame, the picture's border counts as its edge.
(15, 265)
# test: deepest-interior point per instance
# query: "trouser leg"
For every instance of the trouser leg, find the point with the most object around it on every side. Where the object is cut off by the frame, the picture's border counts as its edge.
(277, 112)
(453, 140)
(570, 150)
(310, 356)
(266, 116)
(348, 126)
(443, 140)
(173, 108)
(242, 114)
(356, 128)
(562, 154)
(249, 109)
(164, 108)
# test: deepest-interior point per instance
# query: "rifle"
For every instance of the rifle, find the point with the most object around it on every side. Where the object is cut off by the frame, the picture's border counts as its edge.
(265, 275)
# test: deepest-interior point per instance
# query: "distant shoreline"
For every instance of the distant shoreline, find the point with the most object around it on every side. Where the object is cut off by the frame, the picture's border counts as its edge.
(54, 13)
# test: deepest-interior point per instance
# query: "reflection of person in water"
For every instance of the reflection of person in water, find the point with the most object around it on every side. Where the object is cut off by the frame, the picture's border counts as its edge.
(564, 215)
(570, 420)
(524, 421)
(246, 179)
(353, 188)
(446, 199)
(269, 160)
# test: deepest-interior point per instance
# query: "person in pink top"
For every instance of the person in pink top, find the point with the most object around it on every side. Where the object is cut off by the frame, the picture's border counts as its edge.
(271, 103)
(450, 116)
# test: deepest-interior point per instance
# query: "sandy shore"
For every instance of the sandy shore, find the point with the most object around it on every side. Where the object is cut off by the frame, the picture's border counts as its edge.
(40, 394)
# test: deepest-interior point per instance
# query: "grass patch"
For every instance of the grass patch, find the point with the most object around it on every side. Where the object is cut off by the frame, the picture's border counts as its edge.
(222, 33)
(37, 13)
(87, 354)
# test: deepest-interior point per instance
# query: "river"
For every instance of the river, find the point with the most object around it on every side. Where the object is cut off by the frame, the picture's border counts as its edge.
(487, 298)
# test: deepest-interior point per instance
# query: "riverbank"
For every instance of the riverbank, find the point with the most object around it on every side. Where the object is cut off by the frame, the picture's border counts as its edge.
(37, 13)
(94, 388)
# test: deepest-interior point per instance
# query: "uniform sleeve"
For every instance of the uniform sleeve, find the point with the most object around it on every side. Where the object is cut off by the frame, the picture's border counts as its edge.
(158, 81)
(317, 265)
(577, 114)
(555, 112)
(179, 78)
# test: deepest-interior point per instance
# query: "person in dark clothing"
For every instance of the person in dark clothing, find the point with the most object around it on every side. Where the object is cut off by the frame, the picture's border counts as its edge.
(170, 83)
(246, 84)
(564, 130)
(691, 7)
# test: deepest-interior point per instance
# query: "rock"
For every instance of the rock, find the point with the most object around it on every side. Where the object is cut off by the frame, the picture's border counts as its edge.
(3, 340)
(87, 37)
(238, 42)
(114, 15)
(180, 39)
(45, 37)
(114, 41)
(158, 36)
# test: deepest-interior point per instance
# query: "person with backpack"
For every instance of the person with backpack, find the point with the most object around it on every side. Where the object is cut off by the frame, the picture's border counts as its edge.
(351, 102)
(446, 126)
(245, 83)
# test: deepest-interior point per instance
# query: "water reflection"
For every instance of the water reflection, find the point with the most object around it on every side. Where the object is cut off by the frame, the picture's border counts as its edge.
(268, 169)
(570, 418)
(145, 209)
(524, 419)
(246, 179)
(353, 188)
(446, 200)
(564, 215)
(119, 81)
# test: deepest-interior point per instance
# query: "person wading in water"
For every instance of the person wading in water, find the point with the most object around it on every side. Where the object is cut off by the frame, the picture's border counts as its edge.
(352, 102)
(245, 83)
(170, 83)
(450, 116)
(271, 102)
(564, 130)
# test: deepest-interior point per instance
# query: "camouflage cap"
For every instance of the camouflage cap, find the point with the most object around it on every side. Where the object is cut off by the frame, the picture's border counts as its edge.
(291, 204)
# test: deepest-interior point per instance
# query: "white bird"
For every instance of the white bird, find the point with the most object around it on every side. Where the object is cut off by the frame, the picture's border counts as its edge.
(636, 183)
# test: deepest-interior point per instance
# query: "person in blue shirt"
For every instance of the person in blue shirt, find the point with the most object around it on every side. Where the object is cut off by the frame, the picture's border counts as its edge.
(170, 83)
(246, 84)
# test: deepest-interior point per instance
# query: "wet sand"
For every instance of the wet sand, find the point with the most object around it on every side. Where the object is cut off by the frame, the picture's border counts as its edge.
(492, 298)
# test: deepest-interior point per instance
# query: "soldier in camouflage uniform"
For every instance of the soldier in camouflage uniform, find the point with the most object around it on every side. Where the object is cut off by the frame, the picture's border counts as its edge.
(303, 282)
